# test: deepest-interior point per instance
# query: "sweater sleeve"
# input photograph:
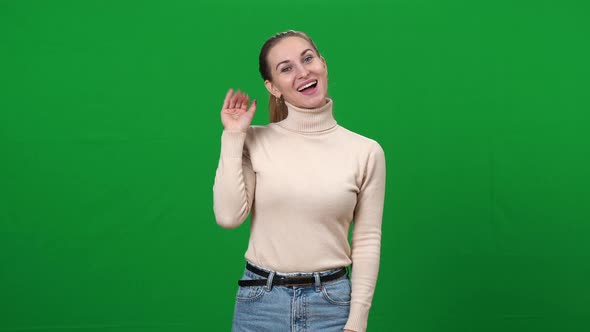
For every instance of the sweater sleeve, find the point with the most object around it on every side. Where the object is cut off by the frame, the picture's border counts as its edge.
(366, 239)
(233, 190)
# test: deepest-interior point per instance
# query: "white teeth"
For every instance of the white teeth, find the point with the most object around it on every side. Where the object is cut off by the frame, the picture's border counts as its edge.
(307, 85)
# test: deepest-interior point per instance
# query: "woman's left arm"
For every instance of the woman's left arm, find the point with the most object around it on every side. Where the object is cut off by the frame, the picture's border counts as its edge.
(366, 238)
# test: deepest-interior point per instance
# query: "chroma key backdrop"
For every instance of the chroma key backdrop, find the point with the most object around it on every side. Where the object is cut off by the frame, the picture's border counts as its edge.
(110, 137)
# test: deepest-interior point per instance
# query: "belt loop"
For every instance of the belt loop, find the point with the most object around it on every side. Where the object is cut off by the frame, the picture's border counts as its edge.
(318, 282)
(271, 276)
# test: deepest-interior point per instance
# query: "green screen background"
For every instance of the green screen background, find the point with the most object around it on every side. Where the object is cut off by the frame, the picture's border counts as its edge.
(110, 137)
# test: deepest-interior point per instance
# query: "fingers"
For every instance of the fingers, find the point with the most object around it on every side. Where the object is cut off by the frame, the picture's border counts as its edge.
(228, 96)
(238, 100)
(245, 100)
(252, 108)
(234, 99)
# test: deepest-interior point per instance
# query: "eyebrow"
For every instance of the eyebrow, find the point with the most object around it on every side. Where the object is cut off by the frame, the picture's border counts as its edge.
(278, 64)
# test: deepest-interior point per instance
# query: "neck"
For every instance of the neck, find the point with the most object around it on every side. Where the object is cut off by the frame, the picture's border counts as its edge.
(309, 120)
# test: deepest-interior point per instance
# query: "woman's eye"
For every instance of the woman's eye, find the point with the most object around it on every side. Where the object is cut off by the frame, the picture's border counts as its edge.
(308, 58)
(285, 69)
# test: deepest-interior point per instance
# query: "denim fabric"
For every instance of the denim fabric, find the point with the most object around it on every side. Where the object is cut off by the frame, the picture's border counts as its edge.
(322, 307)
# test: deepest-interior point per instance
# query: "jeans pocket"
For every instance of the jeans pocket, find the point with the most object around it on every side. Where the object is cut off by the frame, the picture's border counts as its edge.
(249, 294)
(337, 292)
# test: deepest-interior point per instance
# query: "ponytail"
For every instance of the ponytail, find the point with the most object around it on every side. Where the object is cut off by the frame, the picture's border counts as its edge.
(277, 109)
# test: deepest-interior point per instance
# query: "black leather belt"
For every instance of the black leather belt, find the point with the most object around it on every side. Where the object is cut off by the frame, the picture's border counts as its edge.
(278, 280)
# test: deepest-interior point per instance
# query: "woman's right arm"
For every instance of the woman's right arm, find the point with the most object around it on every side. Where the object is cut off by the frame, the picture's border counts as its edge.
(233, 190)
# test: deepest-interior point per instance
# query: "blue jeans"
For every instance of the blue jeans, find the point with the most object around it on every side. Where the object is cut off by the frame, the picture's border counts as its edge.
(322, 307)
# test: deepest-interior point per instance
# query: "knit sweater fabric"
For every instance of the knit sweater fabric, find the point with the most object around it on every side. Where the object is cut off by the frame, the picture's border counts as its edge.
(306, 180)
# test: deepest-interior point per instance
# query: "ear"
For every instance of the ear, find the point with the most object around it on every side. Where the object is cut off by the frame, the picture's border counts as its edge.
(272, 89)
(325, 64)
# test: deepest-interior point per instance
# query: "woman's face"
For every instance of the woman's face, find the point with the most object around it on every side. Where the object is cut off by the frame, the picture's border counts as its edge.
(298, 73)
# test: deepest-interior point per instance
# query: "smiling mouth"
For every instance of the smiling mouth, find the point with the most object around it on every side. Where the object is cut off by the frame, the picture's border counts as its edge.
(308, 86)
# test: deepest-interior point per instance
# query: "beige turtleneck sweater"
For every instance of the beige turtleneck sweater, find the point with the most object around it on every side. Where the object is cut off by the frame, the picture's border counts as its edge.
(306, 180)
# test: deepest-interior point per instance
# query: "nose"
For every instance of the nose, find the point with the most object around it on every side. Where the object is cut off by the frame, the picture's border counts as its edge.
(303, 72)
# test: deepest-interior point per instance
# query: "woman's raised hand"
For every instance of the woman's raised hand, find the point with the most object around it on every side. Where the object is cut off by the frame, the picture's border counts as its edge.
(235, 114)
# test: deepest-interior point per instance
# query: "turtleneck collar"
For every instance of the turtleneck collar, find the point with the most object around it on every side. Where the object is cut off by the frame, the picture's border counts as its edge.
(309, 120)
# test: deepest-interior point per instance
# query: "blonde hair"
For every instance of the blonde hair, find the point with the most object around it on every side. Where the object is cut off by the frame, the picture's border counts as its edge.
(277, 108)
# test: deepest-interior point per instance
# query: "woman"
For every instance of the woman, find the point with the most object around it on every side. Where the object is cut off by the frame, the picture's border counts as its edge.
(305, 179)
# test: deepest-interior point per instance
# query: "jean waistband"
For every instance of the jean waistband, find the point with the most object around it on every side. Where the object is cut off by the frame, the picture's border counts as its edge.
(296, 274)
